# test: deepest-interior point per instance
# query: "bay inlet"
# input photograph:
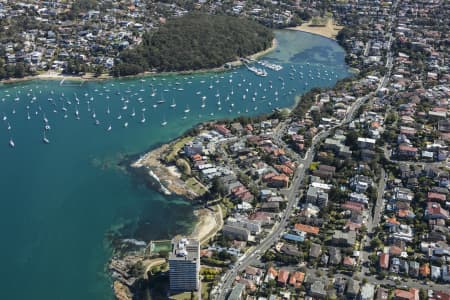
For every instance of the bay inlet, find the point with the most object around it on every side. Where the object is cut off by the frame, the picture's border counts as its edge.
(61, 198)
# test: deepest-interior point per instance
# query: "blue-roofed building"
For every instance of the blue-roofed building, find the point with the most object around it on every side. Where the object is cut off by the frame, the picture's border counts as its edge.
(294, 237)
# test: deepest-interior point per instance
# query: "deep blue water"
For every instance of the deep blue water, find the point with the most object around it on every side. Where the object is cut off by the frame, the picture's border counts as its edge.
(60, 199)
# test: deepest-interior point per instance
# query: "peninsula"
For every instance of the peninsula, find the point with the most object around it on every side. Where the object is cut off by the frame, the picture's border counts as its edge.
(195, 41)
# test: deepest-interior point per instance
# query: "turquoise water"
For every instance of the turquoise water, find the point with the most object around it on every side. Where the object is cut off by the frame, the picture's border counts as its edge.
(60, 199)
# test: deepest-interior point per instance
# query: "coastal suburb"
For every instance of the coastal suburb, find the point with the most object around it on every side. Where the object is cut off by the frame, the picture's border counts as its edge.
(241, 150)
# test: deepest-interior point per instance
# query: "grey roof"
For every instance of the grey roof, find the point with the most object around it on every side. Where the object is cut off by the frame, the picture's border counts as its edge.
(318, 288)
(367, 291)
(353, 286)
(315, 250)
(185, 249)
(236, 293)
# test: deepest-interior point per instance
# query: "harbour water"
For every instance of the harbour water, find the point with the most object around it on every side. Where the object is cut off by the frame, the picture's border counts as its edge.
(59, 199)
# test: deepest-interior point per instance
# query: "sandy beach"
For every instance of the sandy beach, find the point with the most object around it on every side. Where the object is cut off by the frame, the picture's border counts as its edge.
(330, 30)
(210, 221)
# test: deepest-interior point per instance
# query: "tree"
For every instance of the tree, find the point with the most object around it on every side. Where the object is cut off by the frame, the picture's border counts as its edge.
(197, 41)
(423, 295)
(98, 70)
(19, 70)
(376, 243)
(218, 188)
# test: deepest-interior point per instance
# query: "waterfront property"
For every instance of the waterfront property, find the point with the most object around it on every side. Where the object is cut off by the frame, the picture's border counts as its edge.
(184, 263)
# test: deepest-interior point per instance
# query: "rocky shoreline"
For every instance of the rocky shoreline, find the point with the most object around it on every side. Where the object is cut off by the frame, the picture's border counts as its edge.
(168, 177)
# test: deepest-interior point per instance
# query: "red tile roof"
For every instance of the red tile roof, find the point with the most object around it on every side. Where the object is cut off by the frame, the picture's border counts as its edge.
(384, 260)
(436, 196)
(283, 276)
(296, 279)
(307, 228)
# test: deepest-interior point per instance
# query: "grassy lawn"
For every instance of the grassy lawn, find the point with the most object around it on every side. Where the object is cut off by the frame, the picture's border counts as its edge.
(177, 147)
(206, 286)
(195, 186)
(183, 296)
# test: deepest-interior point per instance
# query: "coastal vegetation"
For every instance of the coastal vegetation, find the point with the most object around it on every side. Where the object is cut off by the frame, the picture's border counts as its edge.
(195, 41)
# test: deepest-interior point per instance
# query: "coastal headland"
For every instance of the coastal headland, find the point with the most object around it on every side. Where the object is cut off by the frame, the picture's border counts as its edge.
(168, 175)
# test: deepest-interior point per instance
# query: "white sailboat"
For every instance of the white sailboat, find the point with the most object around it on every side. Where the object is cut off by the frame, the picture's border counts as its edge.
(143, 118)
(77, 114)
(11, 143)
(45, 139)
(173, 105)
(187, 109)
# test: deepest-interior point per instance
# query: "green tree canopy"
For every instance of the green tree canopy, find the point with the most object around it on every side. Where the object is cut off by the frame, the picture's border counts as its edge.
(196, 41)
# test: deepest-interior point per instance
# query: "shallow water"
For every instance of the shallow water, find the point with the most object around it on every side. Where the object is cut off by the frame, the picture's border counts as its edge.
(60, 199)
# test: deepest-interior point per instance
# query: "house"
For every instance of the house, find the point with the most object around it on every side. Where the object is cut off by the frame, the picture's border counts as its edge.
(283, 276)
(317, 196)
(220, 128)
(346, 239)
(339, 284)
(238, 292)
(440, 295)
(235, 232)
(445, 273)
(335, 255)
(253, 226)
(404, 150)
(424, 270)
(237, 128)
(436, 197)
(289, 249)
(279, 181)
(412, 294)
(353, 287)
(401, 232)
(414, 269)
(382, 294)
(317, 289)
(271, 274)
(315, 250)
(307, 229)
(403, 266)
(384, 261)
(435, 273)
(366, 143)
(270, 206)
(367, 292)
(360, 183)
(254, 274)
(349, 262)
(359, 198)
(435, 211)
(296, 279)
(294, 237)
